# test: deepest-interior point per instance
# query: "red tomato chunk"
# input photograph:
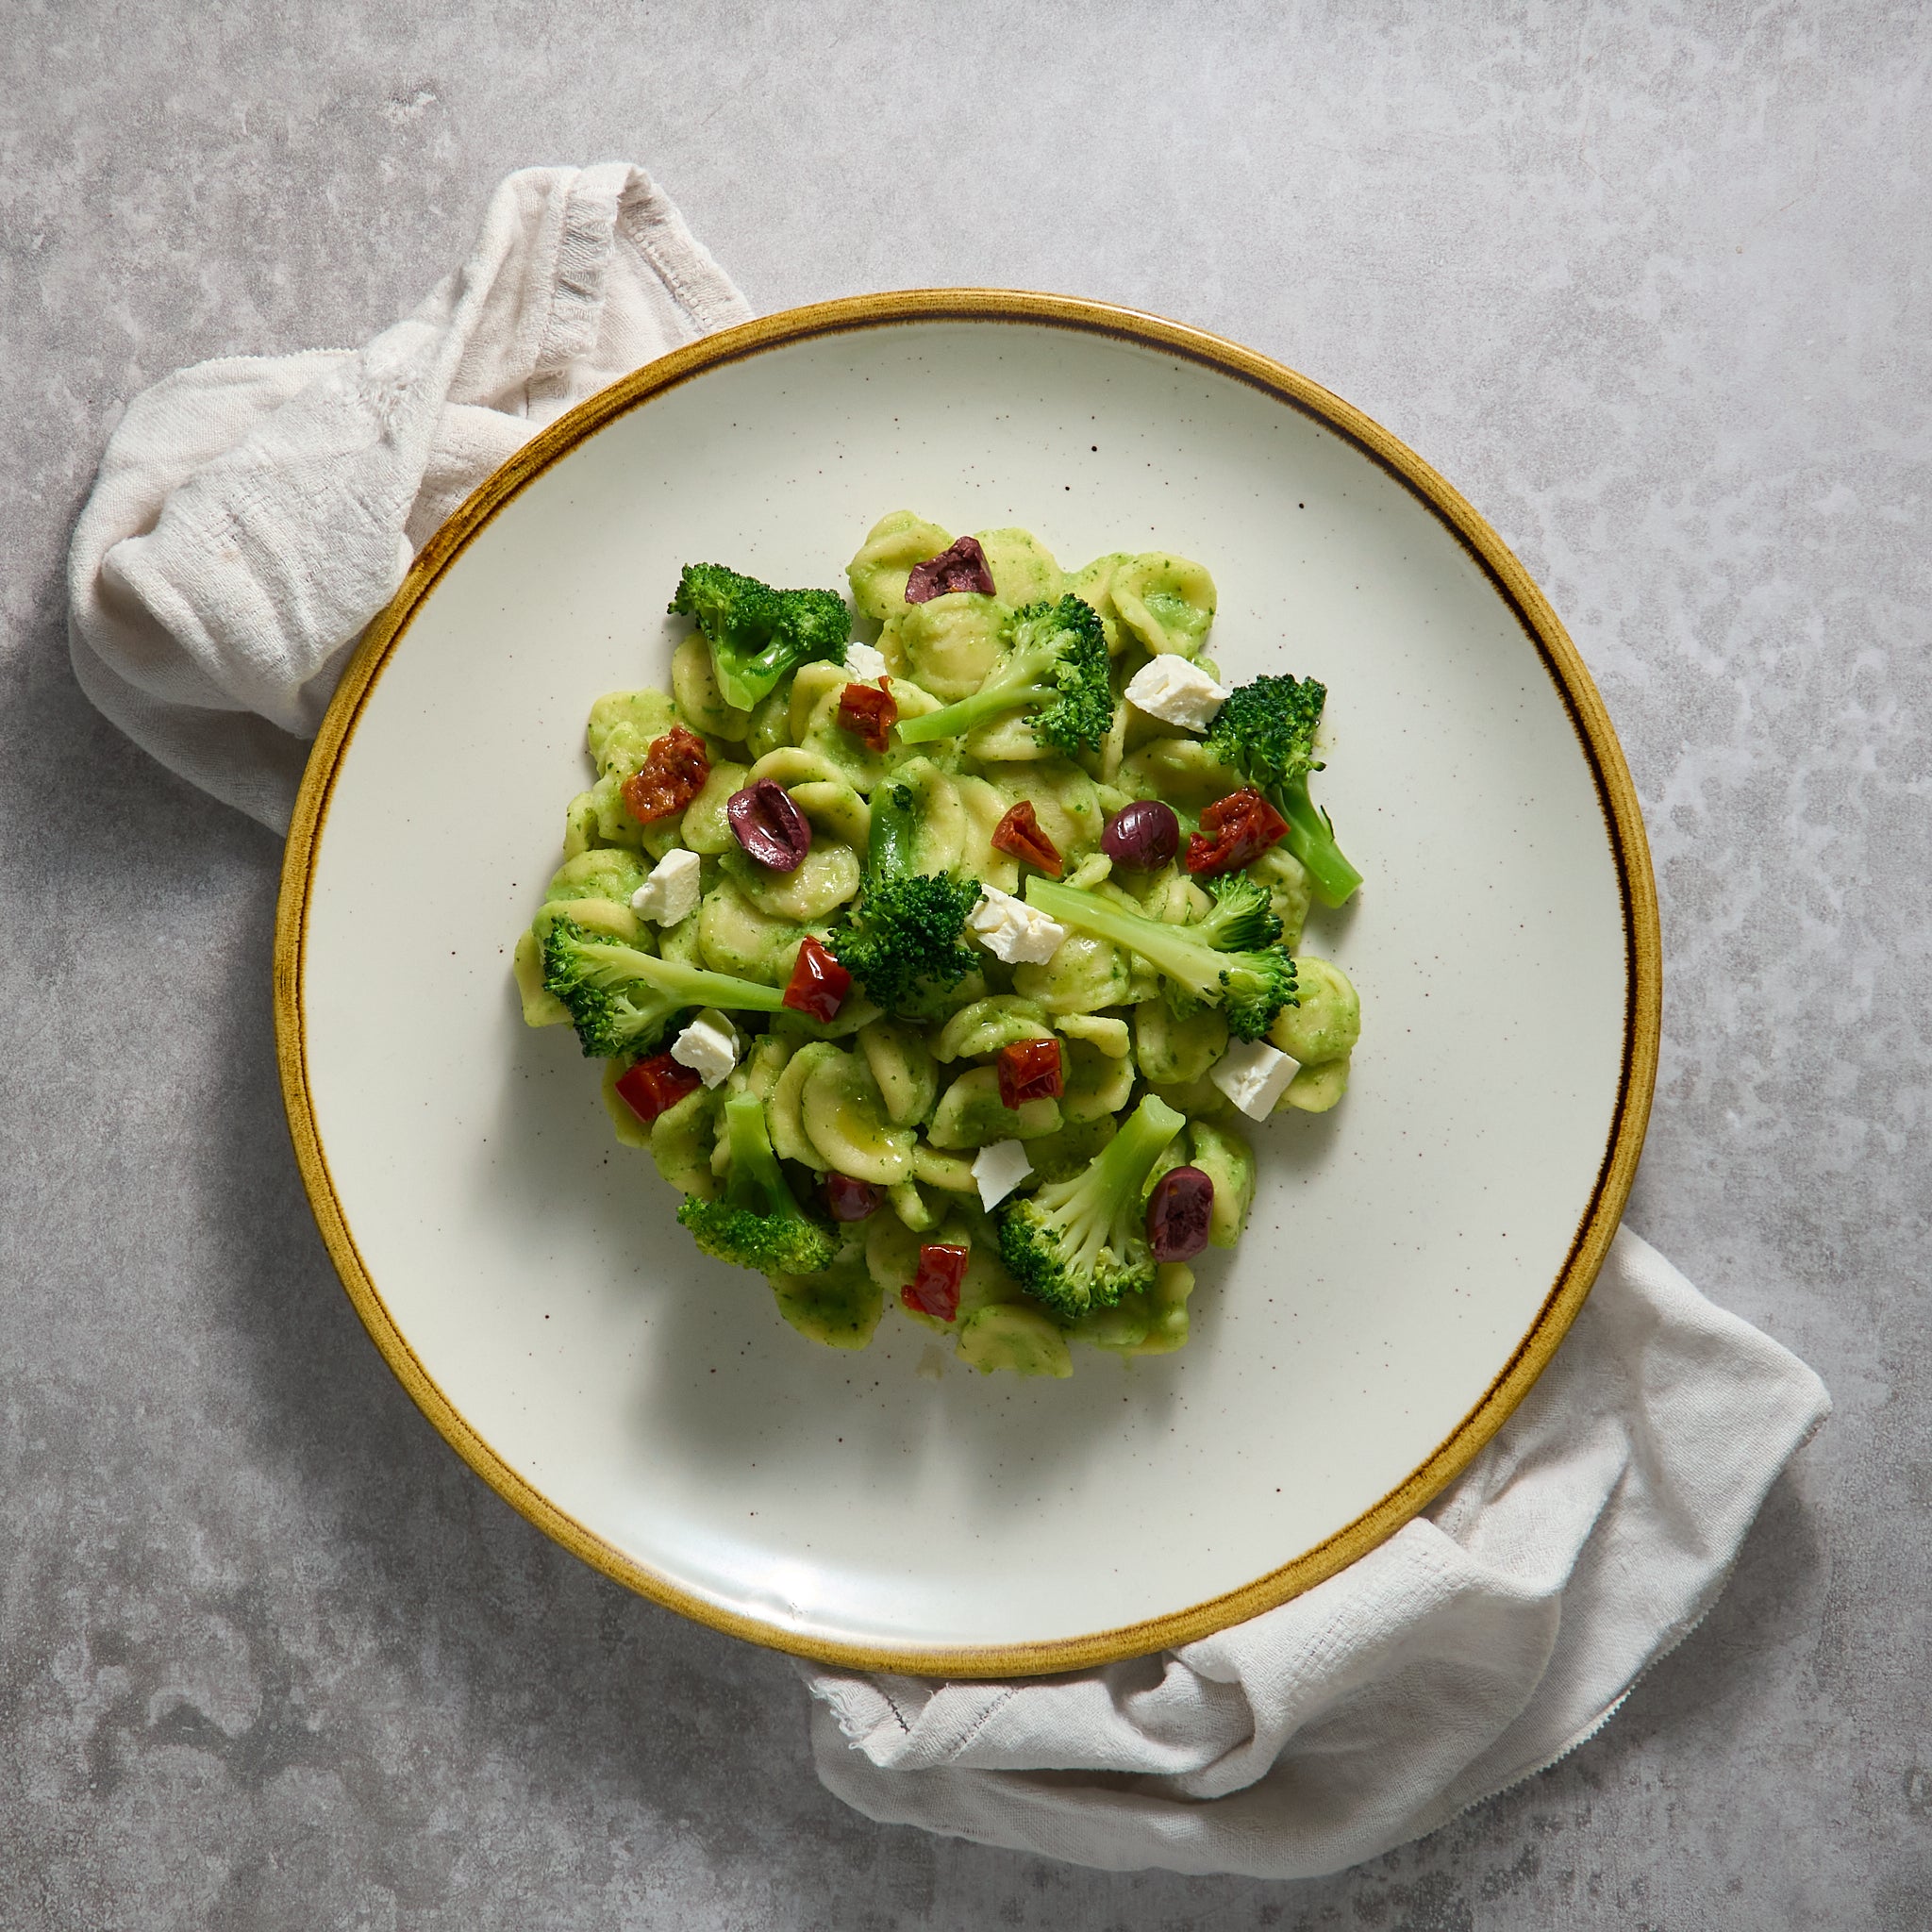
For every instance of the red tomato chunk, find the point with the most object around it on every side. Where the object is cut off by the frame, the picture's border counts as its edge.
(673, 773)
(1019, 835)
(1030, 1069)
(654, 1086)
(935, 1288)
(868, 712)
(1235, 831)
(819, 984)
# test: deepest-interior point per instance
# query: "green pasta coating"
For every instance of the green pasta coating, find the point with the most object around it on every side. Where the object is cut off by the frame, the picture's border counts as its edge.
(829, 1059)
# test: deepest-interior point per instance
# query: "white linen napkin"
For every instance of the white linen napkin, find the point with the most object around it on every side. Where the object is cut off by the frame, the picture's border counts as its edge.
(1478, 1644)
(253, 514)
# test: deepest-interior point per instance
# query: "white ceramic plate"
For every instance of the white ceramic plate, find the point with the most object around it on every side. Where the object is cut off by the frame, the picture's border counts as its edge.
(1413, 1257)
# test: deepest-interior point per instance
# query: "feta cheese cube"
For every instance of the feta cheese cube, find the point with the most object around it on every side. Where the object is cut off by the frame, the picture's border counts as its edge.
(1254, 1076)
(1014, 930)
(865, 662)
(670, 892)
(1176, 691)
(999, 1170)
(709, 1047)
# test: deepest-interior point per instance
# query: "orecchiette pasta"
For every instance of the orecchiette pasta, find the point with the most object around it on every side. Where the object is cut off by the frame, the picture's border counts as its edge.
(1166, 603)
(826, 997)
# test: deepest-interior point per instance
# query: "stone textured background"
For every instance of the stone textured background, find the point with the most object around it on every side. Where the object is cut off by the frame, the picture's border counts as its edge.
(1649, 282)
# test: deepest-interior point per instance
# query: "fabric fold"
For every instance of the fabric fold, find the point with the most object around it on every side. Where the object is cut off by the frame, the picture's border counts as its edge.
(253, 514)
(1481, 1642)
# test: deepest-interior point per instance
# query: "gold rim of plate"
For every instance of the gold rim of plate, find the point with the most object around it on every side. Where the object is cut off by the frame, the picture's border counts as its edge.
(1624, 826)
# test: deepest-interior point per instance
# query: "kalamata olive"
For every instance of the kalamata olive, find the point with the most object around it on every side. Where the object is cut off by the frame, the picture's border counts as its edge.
(1141, 835)
(962, 568)
(766, 823)
(850, 1199)
(1178, 1214)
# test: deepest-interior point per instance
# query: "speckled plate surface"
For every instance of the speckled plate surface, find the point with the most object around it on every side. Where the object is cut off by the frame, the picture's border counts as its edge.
(1413, 1258)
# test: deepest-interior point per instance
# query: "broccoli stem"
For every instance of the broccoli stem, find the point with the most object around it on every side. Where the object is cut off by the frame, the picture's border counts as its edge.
(757, 1224)
(1075, 1245)
(1120, 1169)
(951, 721)
(1178, 951)
(613, 963)
(1311, 839)
(756, 1182)
(889, 846)
(694, 987)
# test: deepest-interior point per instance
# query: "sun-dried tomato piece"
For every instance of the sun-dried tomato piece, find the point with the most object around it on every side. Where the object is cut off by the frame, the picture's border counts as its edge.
(1019, 834)
(673, 773)
(1235, 831)
(765, 821)
(654, 1086)
(934, 1290)
(851, 1199)
(1179, 1214)
(1030, 1069)
(869, 711)
(962, 568)
(819, 984)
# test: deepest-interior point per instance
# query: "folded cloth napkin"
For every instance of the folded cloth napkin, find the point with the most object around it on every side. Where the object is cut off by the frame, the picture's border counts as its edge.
(250, 518)
(1478, 1644)
(252, 514)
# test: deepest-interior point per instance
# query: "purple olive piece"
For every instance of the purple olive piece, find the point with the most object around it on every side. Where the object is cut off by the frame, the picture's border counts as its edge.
(851, 1200)
(1141, 835)
(962, 568)
(1178, 1214)
(766, 823)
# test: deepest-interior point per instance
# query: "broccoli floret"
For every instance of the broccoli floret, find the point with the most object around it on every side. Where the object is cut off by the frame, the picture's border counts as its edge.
(1054, 659)
(1266, 731)
(1078, 1245)
(1232, 957)
(619, 1000)
(1242, 917)
(755, 1222)
(757, 634)
(903, 940)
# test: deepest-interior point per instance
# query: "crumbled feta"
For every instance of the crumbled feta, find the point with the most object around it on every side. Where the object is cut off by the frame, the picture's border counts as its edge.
(999, 1170)
(1254, 1076)
(1014, 930)
(865, 662)
(709, 1048)
(1176, 691)
(670, 892)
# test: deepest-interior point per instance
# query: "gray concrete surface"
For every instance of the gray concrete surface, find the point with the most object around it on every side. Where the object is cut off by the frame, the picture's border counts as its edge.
(1649, 282)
